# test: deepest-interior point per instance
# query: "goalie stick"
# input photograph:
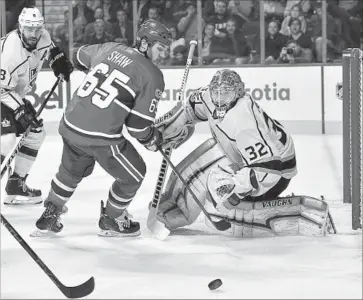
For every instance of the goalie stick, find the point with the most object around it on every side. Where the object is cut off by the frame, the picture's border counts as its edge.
(78, 291)
(7, 164)
(158, 229)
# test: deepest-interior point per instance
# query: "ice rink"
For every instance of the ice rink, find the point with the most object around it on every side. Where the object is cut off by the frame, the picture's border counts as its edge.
(184, 264)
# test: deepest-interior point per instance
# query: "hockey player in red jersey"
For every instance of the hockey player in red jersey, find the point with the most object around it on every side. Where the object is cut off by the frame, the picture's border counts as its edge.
(22, 55)
(122, 89)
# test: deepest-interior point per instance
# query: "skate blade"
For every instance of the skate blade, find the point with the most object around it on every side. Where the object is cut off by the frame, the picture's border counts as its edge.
(21, 200)
(43, 234)
(110, 233)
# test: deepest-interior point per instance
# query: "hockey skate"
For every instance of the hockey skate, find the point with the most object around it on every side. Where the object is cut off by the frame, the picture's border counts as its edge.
(49, 222)
(117, 227)
(18, 193)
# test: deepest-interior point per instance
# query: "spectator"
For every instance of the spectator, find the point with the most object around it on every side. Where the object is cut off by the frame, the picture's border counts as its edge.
(305, 6)
(93, 4)
(179, 56)
(274, 10)
(108, 8)
(90, 28)
(154, 14)
(275, 41)
(144, 9)
(350, 21)
(99, 36)
(293, 53)
(295, 14)
(188, 25)
(61, 34)
(123, 29)
(301, 39)
(242, 10)
(79, 26)
(126, 6)
(208, 34)
(333, 40)
(82, 12)
(177, 40)
(219, 18)
(177, 9)
(231, 49)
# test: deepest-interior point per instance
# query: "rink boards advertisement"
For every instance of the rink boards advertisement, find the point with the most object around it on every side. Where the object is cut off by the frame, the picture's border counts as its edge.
(286, 93)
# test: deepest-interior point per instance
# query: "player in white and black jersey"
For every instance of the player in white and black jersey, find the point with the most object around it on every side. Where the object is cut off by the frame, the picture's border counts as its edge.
(22, 55)
(250, 158)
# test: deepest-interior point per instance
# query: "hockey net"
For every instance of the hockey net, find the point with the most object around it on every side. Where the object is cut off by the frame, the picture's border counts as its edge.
(353, 133)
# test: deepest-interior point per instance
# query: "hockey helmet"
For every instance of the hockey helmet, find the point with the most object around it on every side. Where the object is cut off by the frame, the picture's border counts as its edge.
(31, 25)
(225, 88)
(31, 17)
(154, 31)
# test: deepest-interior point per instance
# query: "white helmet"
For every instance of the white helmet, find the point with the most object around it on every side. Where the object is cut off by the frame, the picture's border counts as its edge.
(30, 17)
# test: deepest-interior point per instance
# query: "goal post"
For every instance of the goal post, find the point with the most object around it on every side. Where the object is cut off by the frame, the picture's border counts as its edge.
(353, 133)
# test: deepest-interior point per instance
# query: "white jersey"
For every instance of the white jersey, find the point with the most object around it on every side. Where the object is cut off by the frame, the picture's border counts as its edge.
(248, 136)
(19, 67)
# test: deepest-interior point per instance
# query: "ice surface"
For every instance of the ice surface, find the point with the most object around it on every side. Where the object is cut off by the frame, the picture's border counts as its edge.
(184, 264)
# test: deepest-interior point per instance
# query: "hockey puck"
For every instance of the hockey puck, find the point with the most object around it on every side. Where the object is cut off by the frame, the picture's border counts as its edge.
(215, 284)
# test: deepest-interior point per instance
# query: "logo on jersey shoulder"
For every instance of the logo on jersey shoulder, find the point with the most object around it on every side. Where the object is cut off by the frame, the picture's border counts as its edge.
(5, 123)
(158, 94)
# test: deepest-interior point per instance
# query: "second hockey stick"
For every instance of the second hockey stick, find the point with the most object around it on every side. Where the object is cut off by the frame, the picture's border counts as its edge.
(7, 164)
(157, 228)
(221, 225)
(78, 291)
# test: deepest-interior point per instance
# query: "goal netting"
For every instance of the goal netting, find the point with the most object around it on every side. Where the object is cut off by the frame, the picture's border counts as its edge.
(353, 133)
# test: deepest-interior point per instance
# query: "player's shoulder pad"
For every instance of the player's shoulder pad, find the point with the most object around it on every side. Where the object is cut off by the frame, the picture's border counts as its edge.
(10, 43)
(45, 40)
(244, 105)
(157, 75)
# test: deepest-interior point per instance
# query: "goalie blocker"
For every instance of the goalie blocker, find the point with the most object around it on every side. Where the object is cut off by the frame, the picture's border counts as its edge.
(294, 215)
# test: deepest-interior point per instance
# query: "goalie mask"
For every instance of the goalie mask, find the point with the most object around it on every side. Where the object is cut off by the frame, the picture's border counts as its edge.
(225, 88)
(31, 25)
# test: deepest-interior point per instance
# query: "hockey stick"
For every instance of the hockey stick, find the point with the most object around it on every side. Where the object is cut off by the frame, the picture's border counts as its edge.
(6, 165)
(221, 225)
(158, 229)
(78, 291)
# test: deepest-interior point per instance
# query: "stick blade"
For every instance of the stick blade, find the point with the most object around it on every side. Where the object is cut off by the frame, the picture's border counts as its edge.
(79, 291)
(158, 230)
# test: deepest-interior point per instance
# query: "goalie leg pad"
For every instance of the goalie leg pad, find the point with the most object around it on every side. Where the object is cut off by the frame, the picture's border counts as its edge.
(296, 215)
(177, 207)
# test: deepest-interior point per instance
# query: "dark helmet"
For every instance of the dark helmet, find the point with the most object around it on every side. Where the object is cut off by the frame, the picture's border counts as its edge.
(154, 31)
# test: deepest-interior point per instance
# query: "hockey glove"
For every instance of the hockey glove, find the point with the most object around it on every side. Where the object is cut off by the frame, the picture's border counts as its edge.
(60, 64)
(25, 116)
(154, 142)
(175, 128)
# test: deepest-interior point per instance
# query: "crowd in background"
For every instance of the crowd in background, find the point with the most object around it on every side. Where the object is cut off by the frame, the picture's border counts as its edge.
(230, 28)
